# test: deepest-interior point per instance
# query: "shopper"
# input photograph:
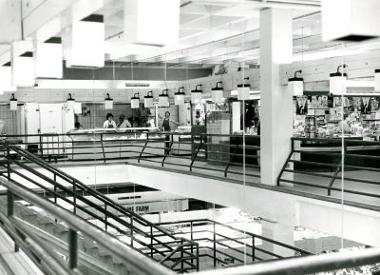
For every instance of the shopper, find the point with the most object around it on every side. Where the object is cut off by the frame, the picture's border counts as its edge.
(77, 125)
(198, 118)
(109, 123)
(123, 122)
(166, 128)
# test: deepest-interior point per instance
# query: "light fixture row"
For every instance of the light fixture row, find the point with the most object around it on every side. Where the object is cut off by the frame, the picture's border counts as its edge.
(338, 82)
(217, 94)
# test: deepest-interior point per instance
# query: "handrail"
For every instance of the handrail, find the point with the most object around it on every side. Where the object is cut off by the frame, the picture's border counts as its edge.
(240, 231)
(173, 252)
(127, 254)
(109, 204)
(31, 244)
(305, 265)
(84, 187)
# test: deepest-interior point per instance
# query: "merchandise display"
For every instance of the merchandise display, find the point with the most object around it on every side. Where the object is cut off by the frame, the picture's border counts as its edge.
(324, 117)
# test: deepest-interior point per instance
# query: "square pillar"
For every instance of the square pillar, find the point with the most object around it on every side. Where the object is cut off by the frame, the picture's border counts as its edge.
(276, 100)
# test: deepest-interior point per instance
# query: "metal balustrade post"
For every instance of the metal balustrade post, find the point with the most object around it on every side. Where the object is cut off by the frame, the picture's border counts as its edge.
(55, 188)
(74, 197)
(253, 249)
(102, 145)
(10, 203)
(73, 249)
(41, 147)
(214, 239)
(132, 231)
(182, 255)
(197, 256)
(286, 162)
(151, 241)
(143, 149)
(105, 217)
(192, 241)
(8, 158)
(10, 212)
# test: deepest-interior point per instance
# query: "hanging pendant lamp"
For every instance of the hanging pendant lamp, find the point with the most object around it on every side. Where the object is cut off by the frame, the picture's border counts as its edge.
(108, 102)
(338, 81)
(135, 101)
(295, 84)
(163, 99)
(70, 102)
(243, 90)
(13, 103)
(148, 100)
(217, 93)
(196, 95)
(179, 96)
(377, 80)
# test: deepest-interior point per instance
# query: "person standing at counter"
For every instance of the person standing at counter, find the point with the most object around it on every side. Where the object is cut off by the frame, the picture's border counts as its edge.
(166, 128)
(123, 123)
(109, 123)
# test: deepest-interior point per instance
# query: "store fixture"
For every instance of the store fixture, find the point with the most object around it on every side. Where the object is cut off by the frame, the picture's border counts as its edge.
(196, 95)
(108, 102)
(338, 85)
(148, 100)
(295, 84)
(70, 102)
(163, 99)
(179, 96)
(377, 80)
(13, 103)
(135, 101)
(217, 93)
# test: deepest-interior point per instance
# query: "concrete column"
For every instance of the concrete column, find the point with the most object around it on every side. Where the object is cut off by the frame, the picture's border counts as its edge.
(279, 233)
(276, 101)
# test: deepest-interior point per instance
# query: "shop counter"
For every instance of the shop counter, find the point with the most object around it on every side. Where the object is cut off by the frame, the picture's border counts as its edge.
(328, 151)
(252, 147)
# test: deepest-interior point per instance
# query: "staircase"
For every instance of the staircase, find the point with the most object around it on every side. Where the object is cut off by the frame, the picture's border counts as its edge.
(178, 254)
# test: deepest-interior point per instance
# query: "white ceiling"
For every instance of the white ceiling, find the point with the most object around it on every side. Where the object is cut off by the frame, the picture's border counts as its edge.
(211, 31)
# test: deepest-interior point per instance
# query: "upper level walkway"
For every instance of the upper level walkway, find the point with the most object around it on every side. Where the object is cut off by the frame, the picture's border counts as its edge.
(220, 169)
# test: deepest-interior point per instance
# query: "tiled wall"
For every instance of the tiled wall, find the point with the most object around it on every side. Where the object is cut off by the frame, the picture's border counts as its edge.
(10, 118)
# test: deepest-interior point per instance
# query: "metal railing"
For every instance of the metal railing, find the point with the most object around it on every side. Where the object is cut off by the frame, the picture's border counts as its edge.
(41, 255)
(306, 265)
(134, 259)
(224, 244)
(317, 163)
(110, 216)
(186, 151)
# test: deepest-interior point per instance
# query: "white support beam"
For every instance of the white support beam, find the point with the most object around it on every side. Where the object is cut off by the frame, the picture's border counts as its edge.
(276, 100)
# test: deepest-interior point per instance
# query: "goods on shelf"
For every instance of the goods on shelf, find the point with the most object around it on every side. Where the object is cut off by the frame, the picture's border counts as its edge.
(324, 116)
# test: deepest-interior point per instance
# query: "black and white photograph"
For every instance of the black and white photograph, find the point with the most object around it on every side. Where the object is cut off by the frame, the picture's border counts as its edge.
(210, 137)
